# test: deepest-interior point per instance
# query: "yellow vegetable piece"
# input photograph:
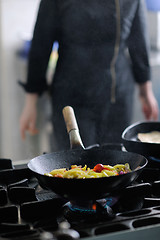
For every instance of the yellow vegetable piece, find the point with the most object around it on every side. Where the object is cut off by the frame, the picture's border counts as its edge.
(85, 172)
(58, 171)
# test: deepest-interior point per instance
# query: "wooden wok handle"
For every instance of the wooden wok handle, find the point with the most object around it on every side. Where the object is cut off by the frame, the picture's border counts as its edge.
(70, 119)
(72, 127)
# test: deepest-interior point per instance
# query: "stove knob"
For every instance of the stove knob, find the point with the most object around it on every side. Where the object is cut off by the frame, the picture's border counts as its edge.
(66, 233)
(47, 236)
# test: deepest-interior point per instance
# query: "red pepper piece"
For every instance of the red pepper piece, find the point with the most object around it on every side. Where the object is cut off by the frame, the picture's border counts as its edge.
(98, 168)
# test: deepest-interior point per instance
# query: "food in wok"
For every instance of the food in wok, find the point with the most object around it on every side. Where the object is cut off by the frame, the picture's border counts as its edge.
(150, 137)
(98, 171)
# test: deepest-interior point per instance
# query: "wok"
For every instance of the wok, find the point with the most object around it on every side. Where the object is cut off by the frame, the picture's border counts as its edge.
(133, 144)
(84, 189)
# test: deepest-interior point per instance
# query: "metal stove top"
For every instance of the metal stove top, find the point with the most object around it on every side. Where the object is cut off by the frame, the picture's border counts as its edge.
(146, 233)
(27, 211)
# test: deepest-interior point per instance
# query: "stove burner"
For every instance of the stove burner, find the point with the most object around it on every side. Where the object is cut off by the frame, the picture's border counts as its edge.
(30, 212)
(155, 159)
(90, 210)
(153, 162)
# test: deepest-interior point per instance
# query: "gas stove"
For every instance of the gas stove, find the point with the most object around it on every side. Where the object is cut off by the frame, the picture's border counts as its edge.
(28, 211)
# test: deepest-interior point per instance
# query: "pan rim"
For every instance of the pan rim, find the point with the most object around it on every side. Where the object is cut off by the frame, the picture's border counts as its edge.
(89, 179)
(135, 125)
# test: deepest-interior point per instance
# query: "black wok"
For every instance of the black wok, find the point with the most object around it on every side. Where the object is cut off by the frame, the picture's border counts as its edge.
(133, 144)
(85, 189)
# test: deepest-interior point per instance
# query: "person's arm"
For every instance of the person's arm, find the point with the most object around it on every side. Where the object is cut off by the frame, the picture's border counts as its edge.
(148, 101)
(29, 115)
(138, 45)
(41, 47)
(45, 33)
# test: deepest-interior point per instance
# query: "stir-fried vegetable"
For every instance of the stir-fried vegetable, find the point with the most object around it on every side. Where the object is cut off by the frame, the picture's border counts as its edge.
(98, 171)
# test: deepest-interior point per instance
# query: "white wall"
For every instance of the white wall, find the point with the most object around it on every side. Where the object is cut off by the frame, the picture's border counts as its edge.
(154, 29)
(17, 19)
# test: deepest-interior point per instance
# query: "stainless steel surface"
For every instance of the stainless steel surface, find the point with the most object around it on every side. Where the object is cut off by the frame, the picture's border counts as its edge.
(147, 233)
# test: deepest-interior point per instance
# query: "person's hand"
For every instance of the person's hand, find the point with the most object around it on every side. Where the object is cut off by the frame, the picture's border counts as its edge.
(29, 116)
(149, 103)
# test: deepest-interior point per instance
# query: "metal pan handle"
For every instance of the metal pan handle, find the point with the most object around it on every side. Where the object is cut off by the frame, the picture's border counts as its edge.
(72, 128)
